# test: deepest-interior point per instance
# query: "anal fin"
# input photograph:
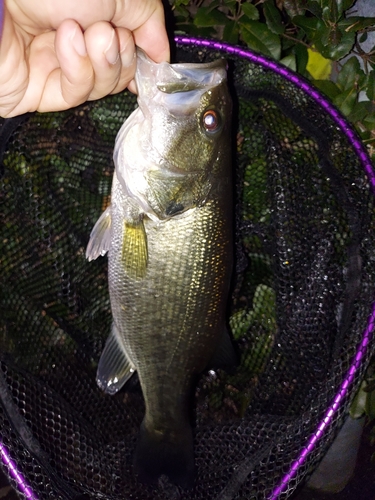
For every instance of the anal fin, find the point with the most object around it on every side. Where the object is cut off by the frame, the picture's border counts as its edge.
(100, 237)
(114, 368)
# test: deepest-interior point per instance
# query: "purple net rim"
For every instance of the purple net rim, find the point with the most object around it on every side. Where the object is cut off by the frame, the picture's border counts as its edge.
(15, 474)
(361, 152)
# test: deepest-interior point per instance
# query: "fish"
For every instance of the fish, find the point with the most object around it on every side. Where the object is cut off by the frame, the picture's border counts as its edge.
(168, 232)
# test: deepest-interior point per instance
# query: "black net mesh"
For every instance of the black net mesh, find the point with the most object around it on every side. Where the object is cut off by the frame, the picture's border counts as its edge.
(301, 302)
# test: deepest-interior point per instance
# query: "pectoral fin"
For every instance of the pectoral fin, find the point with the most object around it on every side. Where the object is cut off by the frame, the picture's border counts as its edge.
(114, 368)
(134, 249)
(225, 355)
(100, 236)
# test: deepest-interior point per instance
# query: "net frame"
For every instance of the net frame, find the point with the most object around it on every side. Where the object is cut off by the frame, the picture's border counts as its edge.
(362, 348)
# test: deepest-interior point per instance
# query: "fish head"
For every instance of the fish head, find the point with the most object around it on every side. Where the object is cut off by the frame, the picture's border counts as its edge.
(178, 140)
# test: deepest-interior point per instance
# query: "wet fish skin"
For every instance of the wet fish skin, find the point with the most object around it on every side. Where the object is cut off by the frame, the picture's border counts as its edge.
(168, 233)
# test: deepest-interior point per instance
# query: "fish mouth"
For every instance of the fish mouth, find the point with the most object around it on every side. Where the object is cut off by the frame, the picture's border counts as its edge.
(190, 77)
(177, 78)
(168, 171)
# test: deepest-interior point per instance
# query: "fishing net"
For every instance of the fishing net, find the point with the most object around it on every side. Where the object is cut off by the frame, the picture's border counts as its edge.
(301, 308)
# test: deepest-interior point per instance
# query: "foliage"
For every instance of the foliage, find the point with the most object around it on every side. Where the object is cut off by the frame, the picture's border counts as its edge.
(317, 38)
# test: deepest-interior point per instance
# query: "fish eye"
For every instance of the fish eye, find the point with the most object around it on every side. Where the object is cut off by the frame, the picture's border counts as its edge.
(211, 121)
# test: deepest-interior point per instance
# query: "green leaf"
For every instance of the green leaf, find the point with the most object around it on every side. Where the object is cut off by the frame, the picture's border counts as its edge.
(273, 17)
(358, 406)
(319, 67)
(348, 74)
(343, 5)
(308, 24)
(370, 91)
(326, 15)
(363, 37)
(335, 36)
(370, 379)
(260, 38)
(294, 8)
(214, 4)
(314, 7)
(346, 101)
(330, 12)
(356, 23)
(287, 44)
(370, 405)
(231, 32)
(250, 10)
(360, 111)
(231, 4)
(289, 61)
(208, 32)
(328, 88)
(206, 17)
(335, 50)
(302, 56)
(369, 122)
(321, 36)
(180, 13)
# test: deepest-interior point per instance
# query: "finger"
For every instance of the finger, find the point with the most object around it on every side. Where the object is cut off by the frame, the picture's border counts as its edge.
(152, 37)
(71, 83)
(127, 59)
(145, 18)
(14, 69)
(41, 61)
(150, 34)
(45, 15)
(111, 52)
(103, 51)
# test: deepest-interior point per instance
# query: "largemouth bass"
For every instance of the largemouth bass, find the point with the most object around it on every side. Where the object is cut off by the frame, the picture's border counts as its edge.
(168, 233)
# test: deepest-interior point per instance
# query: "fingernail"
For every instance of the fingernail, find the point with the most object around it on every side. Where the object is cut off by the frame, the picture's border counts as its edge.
(79, 42)
(128, 54)
(111, 52)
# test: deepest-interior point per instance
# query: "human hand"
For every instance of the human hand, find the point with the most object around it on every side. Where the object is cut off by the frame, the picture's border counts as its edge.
(56, 54)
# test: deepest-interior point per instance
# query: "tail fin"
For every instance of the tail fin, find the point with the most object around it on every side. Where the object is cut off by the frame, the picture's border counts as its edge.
(158, 454)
